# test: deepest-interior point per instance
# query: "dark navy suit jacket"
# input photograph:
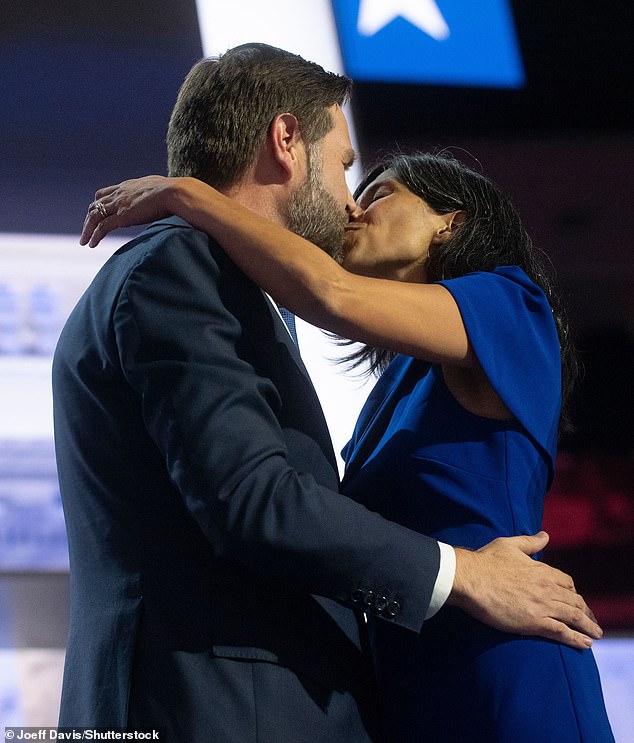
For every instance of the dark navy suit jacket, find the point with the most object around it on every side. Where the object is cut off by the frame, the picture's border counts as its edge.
(209, 547)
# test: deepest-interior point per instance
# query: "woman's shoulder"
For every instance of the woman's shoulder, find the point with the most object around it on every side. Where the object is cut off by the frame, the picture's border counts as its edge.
(504, 300)
(512, 331)
(513, 279)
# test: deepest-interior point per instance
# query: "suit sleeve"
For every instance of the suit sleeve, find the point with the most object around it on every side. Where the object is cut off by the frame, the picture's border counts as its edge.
(214, 420)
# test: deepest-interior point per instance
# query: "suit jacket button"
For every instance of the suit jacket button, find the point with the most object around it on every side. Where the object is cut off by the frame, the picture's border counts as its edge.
(357, 596)
(392, 609)
(369, 598)
(380, 604)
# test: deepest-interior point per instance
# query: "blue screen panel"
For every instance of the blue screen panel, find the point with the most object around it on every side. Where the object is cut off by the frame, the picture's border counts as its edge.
(437, 42)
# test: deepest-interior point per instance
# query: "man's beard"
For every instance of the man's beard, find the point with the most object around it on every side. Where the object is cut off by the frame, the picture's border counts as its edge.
(313, 213)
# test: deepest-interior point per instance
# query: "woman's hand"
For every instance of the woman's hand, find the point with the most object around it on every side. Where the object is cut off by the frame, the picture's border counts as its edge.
(136, 201)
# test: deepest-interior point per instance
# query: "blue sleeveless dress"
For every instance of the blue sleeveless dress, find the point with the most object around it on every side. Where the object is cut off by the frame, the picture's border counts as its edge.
(420, 459)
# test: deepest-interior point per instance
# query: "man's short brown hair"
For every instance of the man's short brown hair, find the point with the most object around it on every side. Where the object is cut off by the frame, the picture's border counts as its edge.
(226, 105)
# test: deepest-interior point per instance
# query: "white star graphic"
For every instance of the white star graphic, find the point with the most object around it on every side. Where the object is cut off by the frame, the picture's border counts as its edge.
(425, 14)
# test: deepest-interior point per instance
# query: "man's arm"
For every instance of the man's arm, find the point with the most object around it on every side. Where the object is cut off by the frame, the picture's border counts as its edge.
(194, 342)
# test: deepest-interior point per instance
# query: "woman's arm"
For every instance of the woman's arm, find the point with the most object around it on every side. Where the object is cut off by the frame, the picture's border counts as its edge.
(421, 320)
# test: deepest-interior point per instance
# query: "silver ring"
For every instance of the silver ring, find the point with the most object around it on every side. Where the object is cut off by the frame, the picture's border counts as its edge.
(100, 208)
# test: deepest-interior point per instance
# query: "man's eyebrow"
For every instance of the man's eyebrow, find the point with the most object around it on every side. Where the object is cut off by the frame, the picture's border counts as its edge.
(349, 157)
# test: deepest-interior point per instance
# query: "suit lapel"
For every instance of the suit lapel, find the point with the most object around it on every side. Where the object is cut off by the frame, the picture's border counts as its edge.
(283, 336)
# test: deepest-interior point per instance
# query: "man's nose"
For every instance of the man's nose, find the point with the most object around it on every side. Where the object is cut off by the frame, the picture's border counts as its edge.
(353, 210)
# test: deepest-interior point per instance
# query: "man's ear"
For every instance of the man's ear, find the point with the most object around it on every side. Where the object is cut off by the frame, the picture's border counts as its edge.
(286, 144)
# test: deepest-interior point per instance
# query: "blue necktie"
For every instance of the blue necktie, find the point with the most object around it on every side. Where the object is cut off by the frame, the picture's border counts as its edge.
(289, 319)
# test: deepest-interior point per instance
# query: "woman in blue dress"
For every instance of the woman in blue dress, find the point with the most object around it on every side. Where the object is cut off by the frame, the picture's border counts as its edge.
(458, 438)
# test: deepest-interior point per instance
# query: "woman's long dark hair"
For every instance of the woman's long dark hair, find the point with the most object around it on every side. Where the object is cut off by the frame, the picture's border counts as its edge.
(491, 235)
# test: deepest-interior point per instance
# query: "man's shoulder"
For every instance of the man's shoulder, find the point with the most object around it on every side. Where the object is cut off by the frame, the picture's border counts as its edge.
(170, 258)
(171, 255)
(163, 244)
(168, 233)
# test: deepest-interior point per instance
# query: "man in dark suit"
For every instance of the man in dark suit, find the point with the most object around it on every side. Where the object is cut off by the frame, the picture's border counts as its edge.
(217, 577)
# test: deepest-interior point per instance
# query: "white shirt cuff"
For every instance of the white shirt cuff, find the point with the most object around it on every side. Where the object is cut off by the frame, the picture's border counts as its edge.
(444, 579)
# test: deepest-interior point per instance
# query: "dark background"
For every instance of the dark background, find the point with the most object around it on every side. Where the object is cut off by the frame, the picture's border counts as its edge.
(86, 90)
